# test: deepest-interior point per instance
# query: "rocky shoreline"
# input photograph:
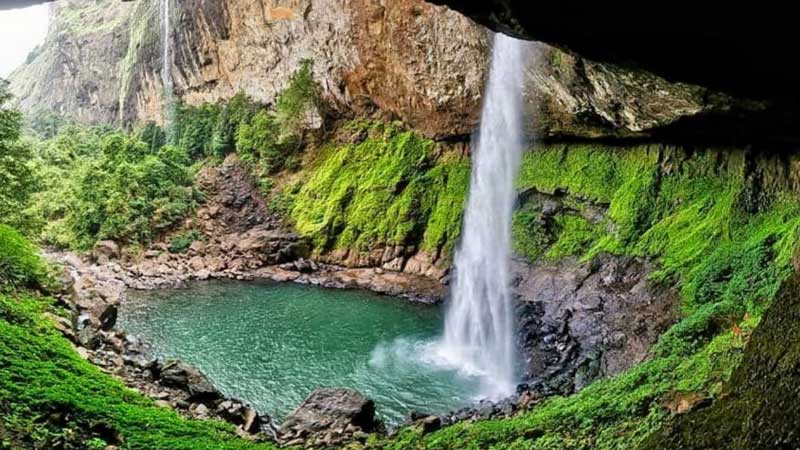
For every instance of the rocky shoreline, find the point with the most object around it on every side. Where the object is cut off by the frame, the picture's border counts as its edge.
(95, 288)
(93, 291)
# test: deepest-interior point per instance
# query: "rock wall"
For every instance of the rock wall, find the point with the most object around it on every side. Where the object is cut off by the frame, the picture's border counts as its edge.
(406, 59)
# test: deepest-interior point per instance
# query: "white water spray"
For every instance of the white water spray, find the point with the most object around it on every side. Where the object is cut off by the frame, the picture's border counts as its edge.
(166, 62)
(479, 326)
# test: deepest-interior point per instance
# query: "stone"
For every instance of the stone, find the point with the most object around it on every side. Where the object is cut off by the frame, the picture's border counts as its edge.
(430, 424)
(180, 375)
(197, 247)
(572, 315)
(105, 251)
(88, 338)
(197, 263)
(326, 406)
(109, 318)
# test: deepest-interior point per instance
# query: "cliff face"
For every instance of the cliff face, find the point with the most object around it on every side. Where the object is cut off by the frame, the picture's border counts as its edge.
(75, 72)
(407, 60)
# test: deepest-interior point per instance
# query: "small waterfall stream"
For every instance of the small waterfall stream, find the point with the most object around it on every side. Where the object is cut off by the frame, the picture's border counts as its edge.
(166, 63)
(479, 327)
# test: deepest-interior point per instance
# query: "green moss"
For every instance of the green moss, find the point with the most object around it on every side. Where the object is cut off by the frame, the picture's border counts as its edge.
(724, 240)
(52, 398)
(385, 190)
(530, 235)
(575, 236)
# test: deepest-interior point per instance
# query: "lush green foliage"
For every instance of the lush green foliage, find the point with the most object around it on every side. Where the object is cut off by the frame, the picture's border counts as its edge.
(385, 190)
(20, 265)
(99, 184)
(16, 178)
(293, 105)
(272, 140)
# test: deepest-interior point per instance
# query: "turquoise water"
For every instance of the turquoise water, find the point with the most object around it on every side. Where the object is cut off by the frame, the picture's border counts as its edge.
(271, 344)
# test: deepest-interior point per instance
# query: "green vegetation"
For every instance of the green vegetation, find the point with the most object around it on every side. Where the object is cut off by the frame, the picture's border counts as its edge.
(16, 177)
(272, 140)
(269, 139)
(20, 265)
(182, 241)
(98, 184)
(722, 235)
(387, 189)
(51, 398)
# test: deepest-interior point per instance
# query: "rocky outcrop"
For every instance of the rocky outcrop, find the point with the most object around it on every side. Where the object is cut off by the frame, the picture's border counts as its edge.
(407, 60)
(690, 42)
(329, 417)
(581, 322)
(174, 384)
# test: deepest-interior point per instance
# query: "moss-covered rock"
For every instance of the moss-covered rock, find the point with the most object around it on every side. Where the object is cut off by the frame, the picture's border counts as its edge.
(760, 406)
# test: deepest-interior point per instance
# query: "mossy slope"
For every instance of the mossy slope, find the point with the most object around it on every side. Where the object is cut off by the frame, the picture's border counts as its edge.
(50, 398)
(721, 224)
(760, 408)
(384, 190)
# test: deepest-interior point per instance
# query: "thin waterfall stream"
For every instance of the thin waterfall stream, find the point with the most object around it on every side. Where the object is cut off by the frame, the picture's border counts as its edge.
(166, 62)
(479, 327)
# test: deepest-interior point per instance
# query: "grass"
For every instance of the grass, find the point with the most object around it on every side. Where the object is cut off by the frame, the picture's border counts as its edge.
(51, 398)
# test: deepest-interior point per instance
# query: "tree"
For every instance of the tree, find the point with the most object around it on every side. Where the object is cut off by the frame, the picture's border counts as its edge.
(16, 177)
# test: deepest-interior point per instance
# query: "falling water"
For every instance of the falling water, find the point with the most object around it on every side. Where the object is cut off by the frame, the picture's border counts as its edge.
(166, 55)
(479, 327)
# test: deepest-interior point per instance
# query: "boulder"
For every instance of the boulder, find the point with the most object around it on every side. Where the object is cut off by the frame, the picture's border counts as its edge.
(88, 338)
(329, 408)
(183, 376)
(197, 263)
(105, 251)
(109, 317)
(197, 247)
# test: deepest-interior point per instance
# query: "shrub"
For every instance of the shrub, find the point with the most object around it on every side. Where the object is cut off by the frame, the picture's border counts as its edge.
(182, 241)
(111, 185)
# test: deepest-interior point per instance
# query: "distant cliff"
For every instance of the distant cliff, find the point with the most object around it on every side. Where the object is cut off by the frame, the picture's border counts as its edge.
(407, 60)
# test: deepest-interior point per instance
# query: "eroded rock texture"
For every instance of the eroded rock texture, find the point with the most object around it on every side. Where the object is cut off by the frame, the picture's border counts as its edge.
(406, 59)
(581, 322)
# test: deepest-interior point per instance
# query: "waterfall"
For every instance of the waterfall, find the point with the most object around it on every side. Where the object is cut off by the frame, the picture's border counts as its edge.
(166, 62)
(479, 326)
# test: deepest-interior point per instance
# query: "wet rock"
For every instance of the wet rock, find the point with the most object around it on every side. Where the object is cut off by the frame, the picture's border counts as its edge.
(183, 376)
(89, 338)
(430, 424)
(109, 318)
(330, 408)
(580, 322)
